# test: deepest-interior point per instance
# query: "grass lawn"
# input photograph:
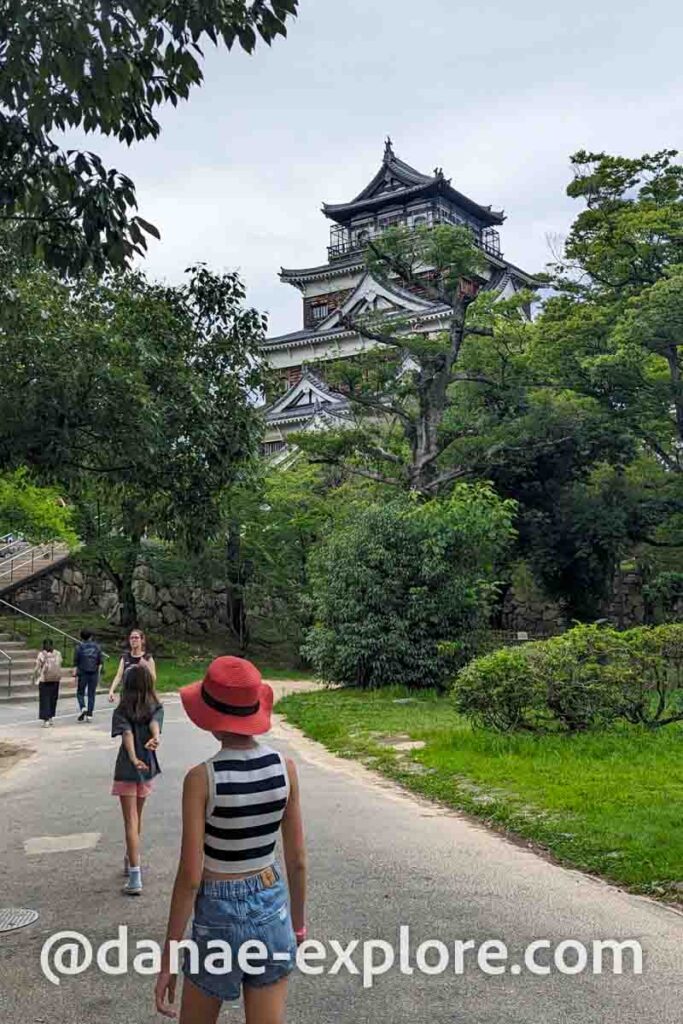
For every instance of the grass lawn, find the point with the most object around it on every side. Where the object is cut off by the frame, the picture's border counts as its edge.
(179, 659)
(609, 803)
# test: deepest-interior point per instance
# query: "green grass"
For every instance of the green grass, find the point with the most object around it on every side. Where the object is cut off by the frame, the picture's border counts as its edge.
(608, 803)
(179, 659)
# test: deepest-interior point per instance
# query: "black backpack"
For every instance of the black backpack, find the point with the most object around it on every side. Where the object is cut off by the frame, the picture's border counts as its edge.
(89, 657)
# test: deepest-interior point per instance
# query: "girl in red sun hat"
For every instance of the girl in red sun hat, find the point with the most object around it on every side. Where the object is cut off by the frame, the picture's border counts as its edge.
(234, 807)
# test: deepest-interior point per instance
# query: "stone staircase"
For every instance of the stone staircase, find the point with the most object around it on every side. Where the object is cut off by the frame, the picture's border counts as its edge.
(17, 684)
(19, 566)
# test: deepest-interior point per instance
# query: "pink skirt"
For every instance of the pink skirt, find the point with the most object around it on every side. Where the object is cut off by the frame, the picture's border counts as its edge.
(137, 789)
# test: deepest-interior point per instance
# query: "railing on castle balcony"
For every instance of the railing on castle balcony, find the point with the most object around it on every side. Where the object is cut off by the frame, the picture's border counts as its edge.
(343, 244)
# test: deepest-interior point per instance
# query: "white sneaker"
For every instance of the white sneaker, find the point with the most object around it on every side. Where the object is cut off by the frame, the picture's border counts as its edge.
(46, 723)
(133, 886)
(88, 718)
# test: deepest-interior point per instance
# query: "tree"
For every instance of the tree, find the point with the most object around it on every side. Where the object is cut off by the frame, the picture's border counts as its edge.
(609, 339)
(402, 389)
(614, 328)
(37, 513)
(136, 398)
(400, 589)
(102, 67)
(272, 524)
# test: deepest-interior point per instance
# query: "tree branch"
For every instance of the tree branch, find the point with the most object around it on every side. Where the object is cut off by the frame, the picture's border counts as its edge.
(369, 474)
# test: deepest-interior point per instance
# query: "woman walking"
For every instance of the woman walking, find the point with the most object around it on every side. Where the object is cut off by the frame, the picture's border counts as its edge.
(47, 673)
(138, 720)
(234, 806)
(137, 654)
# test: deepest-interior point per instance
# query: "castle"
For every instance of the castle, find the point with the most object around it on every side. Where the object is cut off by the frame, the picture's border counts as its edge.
(342, 288)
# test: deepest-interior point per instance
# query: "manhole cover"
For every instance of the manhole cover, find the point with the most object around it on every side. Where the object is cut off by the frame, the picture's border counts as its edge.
(12, 918)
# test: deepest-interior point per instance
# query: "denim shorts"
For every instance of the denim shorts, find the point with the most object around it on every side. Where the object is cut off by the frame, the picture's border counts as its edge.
(228, 914)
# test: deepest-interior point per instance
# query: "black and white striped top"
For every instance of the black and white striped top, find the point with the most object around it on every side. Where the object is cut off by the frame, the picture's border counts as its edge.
(248, 791)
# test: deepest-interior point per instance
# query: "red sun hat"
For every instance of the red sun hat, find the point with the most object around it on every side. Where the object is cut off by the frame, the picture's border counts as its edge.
(231, 697)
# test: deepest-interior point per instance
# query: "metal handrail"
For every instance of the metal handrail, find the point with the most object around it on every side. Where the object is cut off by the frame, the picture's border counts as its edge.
(9, 669)
(48, 625)
(25, 556)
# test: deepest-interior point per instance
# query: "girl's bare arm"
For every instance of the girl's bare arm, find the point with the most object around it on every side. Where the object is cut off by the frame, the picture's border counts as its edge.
(187, 882)
(129, 747)
(153, 742)
(151, 665)
(116, 680)
(295, 850)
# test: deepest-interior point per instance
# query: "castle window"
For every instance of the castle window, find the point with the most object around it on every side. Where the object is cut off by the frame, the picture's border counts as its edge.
(320, 312)
(271, 447)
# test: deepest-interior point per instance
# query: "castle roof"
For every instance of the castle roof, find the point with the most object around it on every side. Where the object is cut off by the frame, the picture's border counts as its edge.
(398, 182)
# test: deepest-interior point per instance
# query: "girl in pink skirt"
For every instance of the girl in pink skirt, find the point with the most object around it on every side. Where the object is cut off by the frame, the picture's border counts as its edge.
(138, 720)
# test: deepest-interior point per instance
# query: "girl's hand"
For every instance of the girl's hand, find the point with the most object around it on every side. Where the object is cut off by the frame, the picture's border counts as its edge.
(152, 743)
(140, 765)
(111, 697)
(164, 993)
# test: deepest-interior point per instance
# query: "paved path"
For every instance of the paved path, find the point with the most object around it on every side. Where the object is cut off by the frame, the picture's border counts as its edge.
(378, 859)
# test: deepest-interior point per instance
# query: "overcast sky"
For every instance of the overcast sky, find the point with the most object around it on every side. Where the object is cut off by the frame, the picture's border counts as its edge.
(498, 94)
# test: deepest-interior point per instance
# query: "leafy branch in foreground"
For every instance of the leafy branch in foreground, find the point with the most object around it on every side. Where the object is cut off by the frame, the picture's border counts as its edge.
(102, 67)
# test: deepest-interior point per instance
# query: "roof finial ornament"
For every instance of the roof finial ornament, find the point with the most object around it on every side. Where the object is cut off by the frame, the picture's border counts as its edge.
(388, 148)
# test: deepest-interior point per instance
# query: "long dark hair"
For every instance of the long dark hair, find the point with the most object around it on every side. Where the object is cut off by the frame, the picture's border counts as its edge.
(138, 697)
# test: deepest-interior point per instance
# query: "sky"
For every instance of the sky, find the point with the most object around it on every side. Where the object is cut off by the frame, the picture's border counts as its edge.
(498, 94)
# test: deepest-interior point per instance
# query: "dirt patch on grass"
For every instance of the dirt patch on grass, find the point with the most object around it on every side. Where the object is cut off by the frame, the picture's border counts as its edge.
(10, 753)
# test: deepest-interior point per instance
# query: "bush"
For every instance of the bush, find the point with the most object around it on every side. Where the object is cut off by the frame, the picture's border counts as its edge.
(396, 581)
(585, 679)
(503, 690)
(652, 693)
(584, 670)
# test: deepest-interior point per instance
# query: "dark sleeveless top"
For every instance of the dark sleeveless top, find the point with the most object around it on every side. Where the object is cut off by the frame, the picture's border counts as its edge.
(129, 660)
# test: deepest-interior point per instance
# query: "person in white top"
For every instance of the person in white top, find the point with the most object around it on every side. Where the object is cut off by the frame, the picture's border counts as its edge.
(234, 807)
(47, 673)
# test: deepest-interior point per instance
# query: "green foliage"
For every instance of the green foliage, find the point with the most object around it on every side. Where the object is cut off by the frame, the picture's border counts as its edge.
(400, 589)
(38, 513)
(503, 690)
(652, 689)
(402, 387)
(666, 590)
(107, 68)
(135, 397)
(613, 330)
(585, 679)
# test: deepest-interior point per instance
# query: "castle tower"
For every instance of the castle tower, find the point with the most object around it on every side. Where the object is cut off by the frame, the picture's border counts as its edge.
(342, 288)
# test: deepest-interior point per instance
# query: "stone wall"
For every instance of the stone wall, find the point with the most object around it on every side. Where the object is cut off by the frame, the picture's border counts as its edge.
(69, 588)
(186, 608)
(66, 588)
(526, 608)
(196, 610)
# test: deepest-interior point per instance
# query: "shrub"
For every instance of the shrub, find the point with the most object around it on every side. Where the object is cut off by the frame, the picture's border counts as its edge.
(504, 689)
(652, 692)
(584, 669)
(396, 581)
(584, 679)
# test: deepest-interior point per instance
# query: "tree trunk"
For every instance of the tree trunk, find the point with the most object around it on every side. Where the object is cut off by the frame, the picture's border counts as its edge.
(676, 387)
(236, 607)
(129, 608)
(434, 380)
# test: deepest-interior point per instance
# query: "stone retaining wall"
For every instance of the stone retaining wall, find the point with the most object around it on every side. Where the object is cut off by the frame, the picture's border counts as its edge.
(189, 609)
(196, 610)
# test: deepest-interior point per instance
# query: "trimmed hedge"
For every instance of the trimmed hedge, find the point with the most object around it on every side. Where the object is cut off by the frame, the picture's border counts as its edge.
(585, 679)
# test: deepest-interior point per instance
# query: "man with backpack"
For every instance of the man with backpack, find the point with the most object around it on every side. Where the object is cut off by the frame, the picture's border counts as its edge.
(88, 662)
